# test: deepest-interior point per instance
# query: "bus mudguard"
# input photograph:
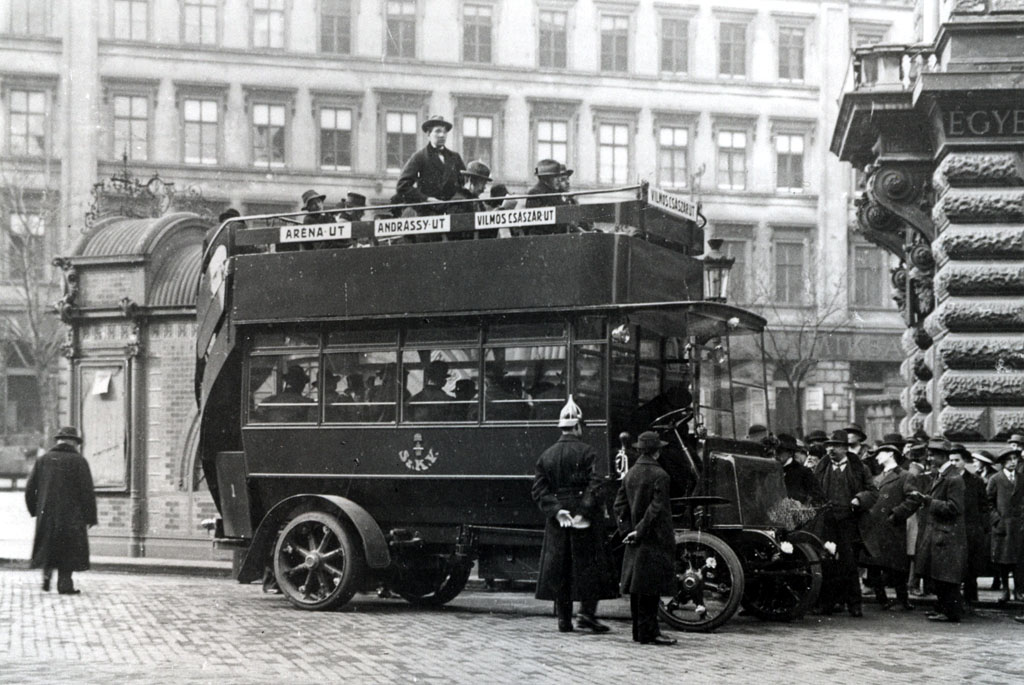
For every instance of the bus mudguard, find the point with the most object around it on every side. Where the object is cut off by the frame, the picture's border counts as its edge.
(375, 546)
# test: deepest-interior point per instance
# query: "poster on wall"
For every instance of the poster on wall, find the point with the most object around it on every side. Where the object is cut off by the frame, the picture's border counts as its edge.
(103, 421)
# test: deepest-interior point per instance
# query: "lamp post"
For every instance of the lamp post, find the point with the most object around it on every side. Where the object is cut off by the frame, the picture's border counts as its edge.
(716, 272)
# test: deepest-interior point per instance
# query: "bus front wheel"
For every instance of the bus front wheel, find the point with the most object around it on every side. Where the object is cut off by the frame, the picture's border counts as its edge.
(317, 562)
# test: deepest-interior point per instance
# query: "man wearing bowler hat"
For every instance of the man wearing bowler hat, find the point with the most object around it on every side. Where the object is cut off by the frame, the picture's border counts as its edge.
(432, 173)
(552, 181)
(59, 494)
(644, 514)
(801, 484)
(849, 492)
(855, 437)
(475, 178)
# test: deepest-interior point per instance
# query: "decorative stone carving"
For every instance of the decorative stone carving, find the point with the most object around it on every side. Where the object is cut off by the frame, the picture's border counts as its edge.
(922, 371)
(1007, 421)
(1005, 353)
(981, 242)
(990, 315)
(922, 339)
(967, 388)
(962, 169)
(969, 7)
(919, 397)
(970, 206)
(905, 190)
(67, 306)
(969, 280)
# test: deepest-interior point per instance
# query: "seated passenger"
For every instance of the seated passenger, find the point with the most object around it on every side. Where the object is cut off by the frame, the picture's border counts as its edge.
(465, 394)
(552, 180)
(503, 394)
(432, 402)
(289, 405)
(474, 180)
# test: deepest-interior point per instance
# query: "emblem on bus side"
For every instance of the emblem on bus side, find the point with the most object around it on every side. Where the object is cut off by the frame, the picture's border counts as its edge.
(420, 458)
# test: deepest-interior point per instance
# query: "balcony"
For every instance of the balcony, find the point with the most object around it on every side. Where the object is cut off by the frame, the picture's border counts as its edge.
(892, 67)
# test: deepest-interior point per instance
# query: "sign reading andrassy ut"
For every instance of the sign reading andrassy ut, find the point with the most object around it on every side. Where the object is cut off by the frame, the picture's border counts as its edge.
(978, 123)
(673, 204)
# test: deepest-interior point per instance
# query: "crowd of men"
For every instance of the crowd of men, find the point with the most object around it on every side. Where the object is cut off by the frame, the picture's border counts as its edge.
(922, 516)
(435, 180)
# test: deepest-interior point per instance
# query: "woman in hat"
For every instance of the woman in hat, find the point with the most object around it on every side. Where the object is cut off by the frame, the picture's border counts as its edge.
(432, 173)
(60, 494)
(644, 515)
(883, 528)
(1006, 512)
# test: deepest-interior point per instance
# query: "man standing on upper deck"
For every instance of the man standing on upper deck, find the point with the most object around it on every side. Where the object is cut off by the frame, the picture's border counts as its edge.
(432, 173)
(573, 563)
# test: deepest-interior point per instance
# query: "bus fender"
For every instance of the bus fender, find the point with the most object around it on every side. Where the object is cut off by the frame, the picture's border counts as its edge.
(375, 546)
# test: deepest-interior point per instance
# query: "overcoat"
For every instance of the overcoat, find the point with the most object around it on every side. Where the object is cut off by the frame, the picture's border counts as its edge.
(883, 528)
(976, 521)
(942, 546)
(425, 175)
(542, 188)
(801, 483)
(642, 504)
(59, 494)
(565, 479)
(1006, 512)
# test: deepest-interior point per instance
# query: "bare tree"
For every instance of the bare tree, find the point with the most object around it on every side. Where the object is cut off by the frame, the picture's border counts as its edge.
(797, 335)
(31, 332)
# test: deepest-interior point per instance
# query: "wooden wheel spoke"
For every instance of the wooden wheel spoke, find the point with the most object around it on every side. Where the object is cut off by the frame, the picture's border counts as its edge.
(334, 570)
(333, 554)
(323, 541)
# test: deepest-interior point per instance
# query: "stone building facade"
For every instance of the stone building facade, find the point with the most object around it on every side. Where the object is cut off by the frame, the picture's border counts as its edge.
(943, 152)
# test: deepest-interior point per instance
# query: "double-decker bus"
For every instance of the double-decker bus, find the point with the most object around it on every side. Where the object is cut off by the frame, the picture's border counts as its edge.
(372, 417)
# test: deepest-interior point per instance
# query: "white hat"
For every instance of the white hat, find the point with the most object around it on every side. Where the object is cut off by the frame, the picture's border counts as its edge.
(570, 415)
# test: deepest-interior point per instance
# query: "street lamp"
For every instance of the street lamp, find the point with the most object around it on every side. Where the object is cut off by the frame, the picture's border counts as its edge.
(716, 272)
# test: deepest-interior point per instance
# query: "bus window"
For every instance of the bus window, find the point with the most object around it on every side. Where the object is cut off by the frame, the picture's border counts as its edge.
(359, 387)
(280, 389)
(431, 380)
(748, 395)
(622, 393)
(589, 380)
(591, 328)
(649, 381)
(524, 383)
(288, 337)
(715, 389)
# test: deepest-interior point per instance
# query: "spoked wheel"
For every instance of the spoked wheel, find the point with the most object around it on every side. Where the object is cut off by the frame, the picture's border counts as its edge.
(317, 564)
(785, 588)
(709, 583)
(434, 586)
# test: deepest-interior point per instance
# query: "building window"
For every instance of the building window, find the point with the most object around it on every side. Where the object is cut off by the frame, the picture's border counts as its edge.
(335, 139)
(791, 53)
(675, 45)
(201, 131)
(673, 149)
(28, 17)
(553, 39)
(476, 33)
(201, 22)
(27, 123)
(400, 129)
(131, 19)
(268, 131)
(336, 26)
(26, 248)
(401, 25)
(553, 140)
(732, 49)
(131, 126)
(614, 43)
(789, 272)
(732, 160)
(268, 24)
(613, 153)
(737, 250)
(870, 276)
(478, 138)
(789, 162)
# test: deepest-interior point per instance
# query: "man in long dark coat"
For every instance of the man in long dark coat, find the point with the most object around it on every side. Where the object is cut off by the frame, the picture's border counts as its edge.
(975, 521)
(801, 483)
(60, 495)
(942, 548)
(1006, 513)
(849, 492)
(883, 528)
(432, 173)
(574, 565)
(644, 515)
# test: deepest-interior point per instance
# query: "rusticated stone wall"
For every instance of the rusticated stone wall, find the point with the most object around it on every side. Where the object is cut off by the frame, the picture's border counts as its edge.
(976, 360)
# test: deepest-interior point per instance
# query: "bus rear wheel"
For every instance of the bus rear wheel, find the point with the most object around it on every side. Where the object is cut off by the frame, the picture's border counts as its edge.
(433, 586)
(317, 563)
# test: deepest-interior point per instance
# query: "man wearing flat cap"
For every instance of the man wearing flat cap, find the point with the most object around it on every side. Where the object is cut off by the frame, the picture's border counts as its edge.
(1005, 493)
(432, 173)
(60, 495)
(574, 565)
(849, 492)
(644, 514)
(942, 547)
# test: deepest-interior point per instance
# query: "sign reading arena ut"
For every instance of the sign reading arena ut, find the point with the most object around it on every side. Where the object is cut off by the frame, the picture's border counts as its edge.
(984, 123)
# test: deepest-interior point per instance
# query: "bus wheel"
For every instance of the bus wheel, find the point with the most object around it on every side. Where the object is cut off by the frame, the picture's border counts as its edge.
(709, 583)
(317, 563)
(436, 586)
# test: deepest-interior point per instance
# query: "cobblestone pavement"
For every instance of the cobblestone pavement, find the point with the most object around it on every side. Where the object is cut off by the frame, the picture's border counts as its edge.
(155, 629)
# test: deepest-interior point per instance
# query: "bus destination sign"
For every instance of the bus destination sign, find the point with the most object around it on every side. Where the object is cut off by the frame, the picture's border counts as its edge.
(412, 225)
(304, 232)
(514, 218)
(673, 204)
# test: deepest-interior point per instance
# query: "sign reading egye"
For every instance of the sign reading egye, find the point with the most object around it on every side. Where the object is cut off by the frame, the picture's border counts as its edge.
(979, 123)
(673, 204)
